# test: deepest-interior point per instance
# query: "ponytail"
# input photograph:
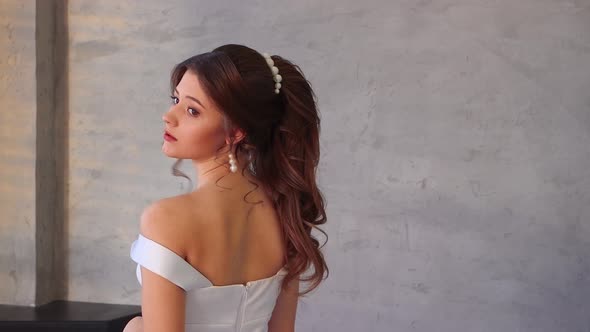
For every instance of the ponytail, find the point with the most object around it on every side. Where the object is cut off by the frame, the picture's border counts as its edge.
(295, 154)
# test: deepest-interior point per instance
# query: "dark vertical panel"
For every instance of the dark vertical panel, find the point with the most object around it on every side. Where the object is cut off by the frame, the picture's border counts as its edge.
(51, 168)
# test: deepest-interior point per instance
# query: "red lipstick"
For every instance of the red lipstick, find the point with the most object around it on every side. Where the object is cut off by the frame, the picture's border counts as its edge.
(169, 137)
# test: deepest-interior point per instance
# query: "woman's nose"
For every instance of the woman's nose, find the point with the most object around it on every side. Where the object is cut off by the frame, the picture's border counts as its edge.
(168, 118)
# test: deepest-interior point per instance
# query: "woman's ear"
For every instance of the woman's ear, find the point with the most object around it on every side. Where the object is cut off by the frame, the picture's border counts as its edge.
(237, 134)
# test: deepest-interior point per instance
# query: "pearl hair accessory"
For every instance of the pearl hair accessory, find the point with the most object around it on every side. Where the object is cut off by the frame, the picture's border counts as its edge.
(275, 71)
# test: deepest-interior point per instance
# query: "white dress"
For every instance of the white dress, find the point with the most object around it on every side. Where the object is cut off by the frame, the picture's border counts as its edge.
(210, 308)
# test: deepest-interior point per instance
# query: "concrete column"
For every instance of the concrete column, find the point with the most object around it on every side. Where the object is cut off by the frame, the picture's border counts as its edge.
(50, 172)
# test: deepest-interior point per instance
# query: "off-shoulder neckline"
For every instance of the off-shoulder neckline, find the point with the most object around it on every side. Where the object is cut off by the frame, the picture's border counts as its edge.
(282, 270)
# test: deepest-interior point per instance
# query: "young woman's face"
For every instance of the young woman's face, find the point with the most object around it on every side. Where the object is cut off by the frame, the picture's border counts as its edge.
(193, 121)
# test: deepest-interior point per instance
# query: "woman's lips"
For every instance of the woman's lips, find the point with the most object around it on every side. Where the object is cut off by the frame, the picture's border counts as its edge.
(169, 137)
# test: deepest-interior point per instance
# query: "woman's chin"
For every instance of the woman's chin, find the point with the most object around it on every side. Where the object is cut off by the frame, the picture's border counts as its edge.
(171, 156)
(168, 151)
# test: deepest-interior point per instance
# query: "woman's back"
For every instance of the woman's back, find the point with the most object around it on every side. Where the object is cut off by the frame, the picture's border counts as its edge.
(228, 240)
(226, 255)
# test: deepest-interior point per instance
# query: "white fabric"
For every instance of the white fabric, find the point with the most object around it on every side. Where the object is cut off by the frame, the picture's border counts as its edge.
(210, 308)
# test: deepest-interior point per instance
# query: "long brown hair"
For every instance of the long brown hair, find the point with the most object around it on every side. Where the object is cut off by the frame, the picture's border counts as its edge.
(281, 140)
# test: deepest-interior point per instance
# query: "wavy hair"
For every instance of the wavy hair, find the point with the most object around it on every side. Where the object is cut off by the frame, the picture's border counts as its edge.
(281, 142)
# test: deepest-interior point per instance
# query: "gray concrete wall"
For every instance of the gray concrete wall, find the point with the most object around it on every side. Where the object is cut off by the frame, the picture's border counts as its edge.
(33, 95)
(18, 112)
(454, 159)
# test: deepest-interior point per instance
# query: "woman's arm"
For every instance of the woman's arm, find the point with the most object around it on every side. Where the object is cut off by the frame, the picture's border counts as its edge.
(283, 315)
(162, 302)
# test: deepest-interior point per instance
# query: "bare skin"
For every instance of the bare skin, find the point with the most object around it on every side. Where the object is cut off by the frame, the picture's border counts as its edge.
(227, 239)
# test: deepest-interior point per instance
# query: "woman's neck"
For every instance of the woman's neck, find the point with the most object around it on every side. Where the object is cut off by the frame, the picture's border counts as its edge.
(209, 172)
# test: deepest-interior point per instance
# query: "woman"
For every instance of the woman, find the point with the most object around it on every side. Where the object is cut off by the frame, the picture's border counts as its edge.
(229, 255)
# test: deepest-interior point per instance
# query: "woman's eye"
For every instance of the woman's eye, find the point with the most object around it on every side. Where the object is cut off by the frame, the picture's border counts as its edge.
(193, 112)
(175, 100)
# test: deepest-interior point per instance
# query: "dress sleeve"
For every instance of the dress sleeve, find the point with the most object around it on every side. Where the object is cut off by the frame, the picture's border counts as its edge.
(166, 263)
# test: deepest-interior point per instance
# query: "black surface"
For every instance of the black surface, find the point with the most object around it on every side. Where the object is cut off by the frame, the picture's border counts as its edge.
(67, 316)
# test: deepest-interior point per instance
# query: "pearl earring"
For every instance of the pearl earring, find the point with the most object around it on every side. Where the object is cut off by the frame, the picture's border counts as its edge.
(232, 164)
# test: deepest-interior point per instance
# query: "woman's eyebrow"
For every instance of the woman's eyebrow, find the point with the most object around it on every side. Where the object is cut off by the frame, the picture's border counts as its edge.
(191, 97)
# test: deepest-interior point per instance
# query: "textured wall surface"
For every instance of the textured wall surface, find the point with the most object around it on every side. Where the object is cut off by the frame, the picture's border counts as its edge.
(455, 158)
(17, 152)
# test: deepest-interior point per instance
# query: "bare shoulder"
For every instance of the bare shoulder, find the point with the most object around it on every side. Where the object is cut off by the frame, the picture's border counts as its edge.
(166, 221)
